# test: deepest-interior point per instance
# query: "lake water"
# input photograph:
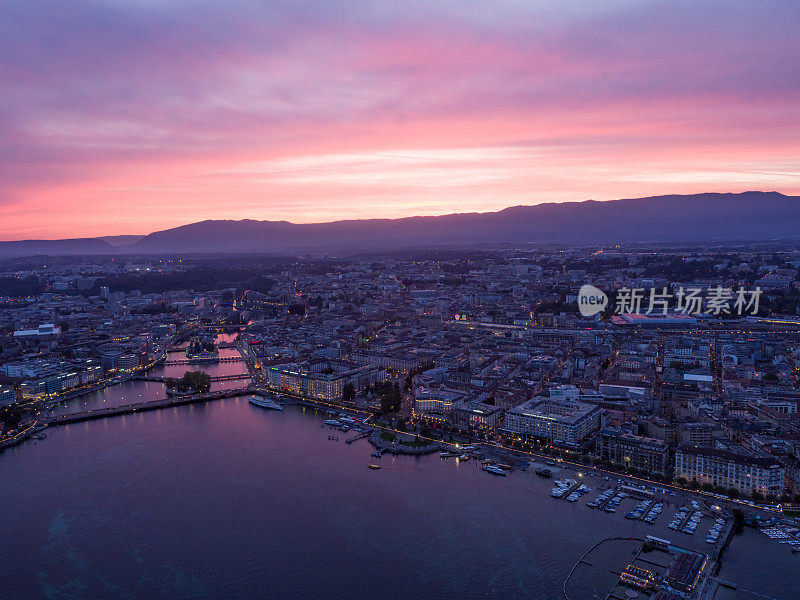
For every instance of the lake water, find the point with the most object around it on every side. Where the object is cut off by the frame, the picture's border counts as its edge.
(225, 500)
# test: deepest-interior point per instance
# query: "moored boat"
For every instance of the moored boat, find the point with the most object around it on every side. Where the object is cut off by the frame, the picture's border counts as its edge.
(494, 470)
(264, 403)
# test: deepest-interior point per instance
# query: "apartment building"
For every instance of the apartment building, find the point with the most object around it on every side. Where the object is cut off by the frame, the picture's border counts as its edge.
(561, 421)
(745, 473)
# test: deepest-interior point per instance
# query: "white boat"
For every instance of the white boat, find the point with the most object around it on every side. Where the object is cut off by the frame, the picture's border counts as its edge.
(264, 403)
(494, 470)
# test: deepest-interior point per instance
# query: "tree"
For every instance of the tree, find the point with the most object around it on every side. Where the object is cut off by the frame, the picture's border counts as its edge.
(197, 381)
(390, 396)
(10, 416)
(348, 392)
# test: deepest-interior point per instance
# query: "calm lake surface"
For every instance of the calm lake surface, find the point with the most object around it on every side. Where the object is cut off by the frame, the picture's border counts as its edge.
(225, 500)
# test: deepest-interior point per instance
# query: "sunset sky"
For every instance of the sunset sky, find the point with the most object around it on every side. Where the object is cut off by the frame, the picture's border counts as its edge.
(129, 116)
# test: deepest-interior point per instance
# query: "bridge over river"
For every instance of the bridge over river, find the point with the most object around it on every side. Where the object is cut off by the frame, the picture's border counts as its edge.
(186, 361)
(125, 409)
(163, 379)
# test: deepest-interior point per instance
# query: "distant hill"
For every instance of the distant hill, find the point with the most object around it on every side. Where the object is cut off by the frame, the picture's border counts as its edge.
(88, 246)
(748, 216)
(121, 240)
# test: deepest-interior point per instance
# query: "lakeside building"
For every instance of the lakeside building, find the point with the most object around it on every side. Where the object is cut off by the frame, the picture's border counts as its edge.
(633, 451)
(476, 416)
(745, 473)
(435, 401)
(323, 380)
(555, 420)
(44, 378)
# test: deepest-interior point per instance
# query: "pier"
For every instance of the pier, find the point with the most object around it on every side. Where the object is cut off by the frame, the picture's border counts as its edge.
(360, 436)
(582, 560)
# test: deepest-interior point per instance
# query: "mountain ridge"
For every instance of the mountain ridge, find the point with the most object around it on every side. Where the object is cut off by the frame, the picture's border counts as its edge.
(745, 216)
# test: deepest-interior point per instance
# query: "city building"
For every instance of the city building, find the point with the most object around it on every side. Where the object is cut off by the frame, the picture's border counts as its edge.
(322, 380)
(633, 451)
(697, 434)
(559, 421)
(7, 395)
(722, 468)
(476, 416)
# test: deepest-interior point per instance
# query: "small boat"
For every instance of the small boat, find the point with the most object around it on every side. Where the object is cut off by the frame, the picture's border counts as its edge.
(374, 467)
(504, 466)
(494, 470)
(376, 454)
(464, 457)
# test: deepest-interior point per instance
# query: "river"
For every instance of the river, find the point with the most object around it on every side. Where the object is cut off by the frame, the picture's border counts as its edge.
(226, 500)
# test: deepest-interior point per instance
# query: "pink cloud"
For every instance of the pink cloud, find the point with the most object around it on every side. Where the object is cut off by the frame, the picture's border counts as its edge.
(128, 117)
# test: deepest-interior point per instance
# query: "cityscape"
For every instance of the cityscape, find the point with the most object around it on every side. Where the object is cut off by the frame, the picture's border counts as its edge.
(443, 300)
(478, 358)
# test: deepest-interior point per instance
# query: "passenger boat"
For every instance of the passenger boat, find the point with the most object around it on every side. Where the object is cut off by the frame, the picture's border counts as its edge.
(494, 470)
(374, 467)
(264, 403)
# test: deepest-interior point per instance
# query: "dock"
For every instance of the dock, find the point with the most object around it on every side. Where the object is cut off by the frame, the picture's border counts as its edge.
(360, 436)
